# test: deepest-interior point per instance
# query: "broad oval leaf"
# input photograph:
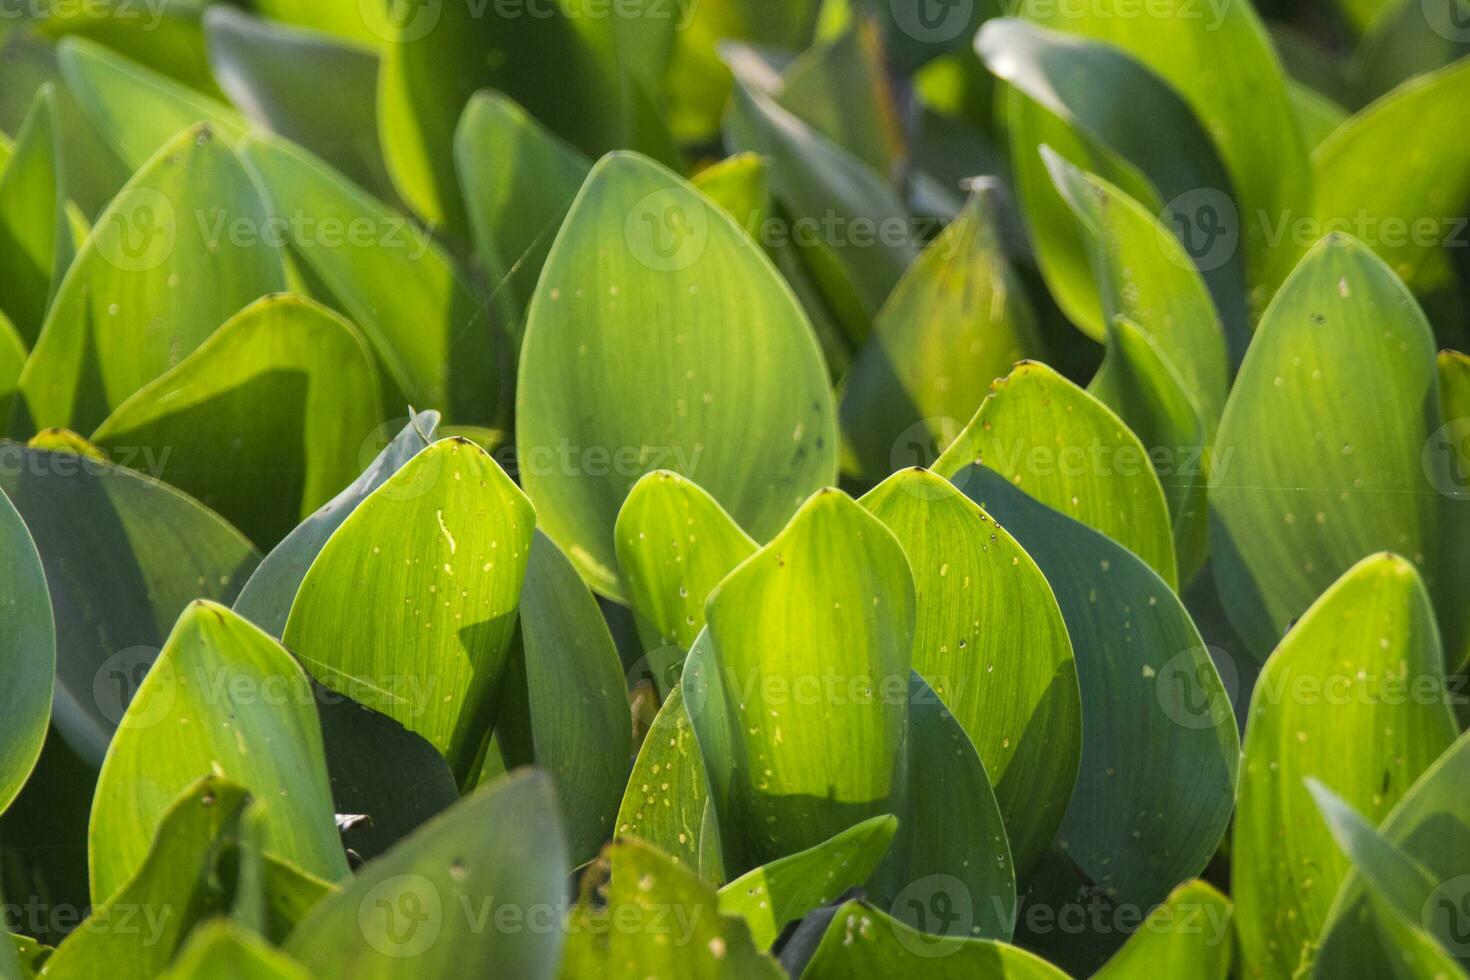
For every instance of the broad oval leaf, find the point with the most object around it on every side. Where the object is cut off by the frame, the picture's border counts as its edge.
(123, 556)
(264, 420)
(1066, 449)
(1188, 935)
(410, 605)
(419, 909)
(27, 653)
(1364, 664)
(1311, 477)
(675, 543)
(660, 337)
(992, 643)
(127, 312)
(222, 697)
(957, 320)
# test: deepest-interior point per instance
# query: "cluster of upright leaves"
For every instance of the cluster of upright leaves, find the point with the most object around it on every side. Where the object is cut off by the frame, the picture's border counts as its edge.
(302, 685)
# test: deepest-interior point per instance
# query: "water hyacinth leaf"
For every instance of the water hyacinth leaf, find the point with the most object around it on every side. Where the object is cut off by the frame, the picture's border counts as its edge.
(1427, 181)
(264, 67)
(1370, 638)
(992, 643)
(771, 896)
(864, 943)
(410, 606)
(1451, 446)
(286, 387)
(667, 793)
(27, 653)
(347, 19)
(653, 298)
(1189, 935)
(35, 241)
(135, 930)
(1158, 771)
(1430, 826)
(13, 355)
(1406, 42)
(165, 37)
(808, 763)
(123, 555)
(1066, 449)
(1242, 104)
(1312, 478)
(648, 890)
(518, 181)
(741, 184)
(1316, 114)
(134, 109)
(130, 307)
(266, 598)
(1144, 274)
(418, 910)
(437, 346)
(1116, 122)
(674, 543)
(205, 706)
(1402, 893)
(958, 320)
(817, 179)
(220, 948)
(575, 697)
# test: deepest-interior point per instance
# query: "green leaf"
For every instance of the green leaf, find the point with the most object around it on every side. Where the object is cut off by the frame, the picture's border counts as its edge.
(1430, 826)
(1311, 477)
(222, 697)
(518, 181)
(1383, 176)
(134, 109)
(126, 312)
(1316, 114)
(136, 927)
(287, 386)
(771, 896)
(667, 796)
(1363, 667)
(266, 68)
(166, 37)
(123, 555)
(958, 320)
(651, 297)
(347, 19)
(437, 346)
(1401, 892)
(1189, 935)
(658, 920)
(1107, 110)
(1014, 689)
(812, 637)
(394, 616)
(1450, 449)
(1158, 771)
(863, 943)
(674, 543)
(35, 244)
(1408, 40)
(574, 696)
(1069, 451)
(220, 948)
(27, 653)
(266, 598)
(436, 904)
(1242, 103)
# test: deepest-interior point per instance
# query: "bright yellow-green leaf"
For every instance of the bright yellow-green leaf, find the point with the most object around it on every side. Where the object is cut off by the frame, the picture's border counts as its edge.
(1189, 935)
(660, 337)
(220, 948)
(35, 243)
(1066, 449)
(410, 606)
(222, 697)
(1364, 668)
